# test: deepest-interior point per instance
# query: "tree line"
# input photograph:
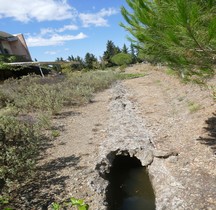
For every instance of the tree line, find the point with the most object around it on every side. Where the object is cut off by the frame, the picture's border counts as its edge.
(112, 56)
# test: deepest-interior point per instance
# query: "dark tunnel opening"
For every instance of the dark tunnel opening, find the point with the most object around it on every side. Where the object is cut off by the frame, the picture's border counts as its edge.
(129, 185)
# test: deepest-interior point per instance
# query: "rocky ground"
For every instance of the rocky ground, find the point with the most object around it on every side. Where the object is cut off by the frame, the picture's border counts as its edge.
(168, 125)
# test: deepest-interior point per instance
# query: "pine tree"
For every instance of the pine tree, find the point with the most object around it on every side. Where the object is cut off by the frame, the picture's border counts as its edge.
(111, 50)
(70, 58)
(132, 52)
(90, 60)
(180, 33)
(78, 63)
(125, 49)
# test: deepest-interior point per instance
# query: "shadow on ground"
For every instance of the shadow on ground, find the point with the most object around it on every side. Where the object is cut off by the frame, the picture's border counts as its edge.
(48, 184)
(66, 114)
(210, 139)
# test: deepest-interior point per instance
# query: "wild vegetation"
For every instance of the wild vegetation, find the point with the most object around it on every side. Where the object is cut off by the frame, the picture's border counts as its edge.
(4, 58)
(80, 204)
(26, 109)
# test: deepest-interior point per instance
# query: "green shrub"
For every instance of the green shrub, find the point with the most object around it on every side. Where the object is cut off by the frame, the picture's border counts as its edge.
(122, 59)
(19, 141)
(11, 58)
(80, 204)
(40, 97)
(3, 99)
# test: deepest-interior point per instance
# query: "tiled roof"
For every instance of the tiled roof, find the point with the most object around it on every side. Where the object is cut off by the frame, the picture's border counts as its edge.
(5, 35)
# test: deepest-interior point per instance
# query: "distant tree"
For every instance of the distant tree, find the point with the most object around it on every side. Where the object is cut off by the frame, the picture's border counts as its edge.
(60, 59)
(79, 59)
(90, 61)
(71, 58)
(133, 54)
(80, 63)
(117, 50)
(180, 33)
(111, 50)
(125, 49)
(122, 59)
(57, 59)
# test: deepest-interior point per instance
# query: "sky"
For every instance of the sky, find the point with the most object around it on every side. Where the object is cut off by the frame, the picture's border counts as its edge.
(61, 28)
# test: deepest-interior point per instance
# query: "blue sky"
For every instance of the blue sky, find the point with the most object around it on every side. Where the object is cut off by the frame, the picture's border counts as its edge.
(59, 28)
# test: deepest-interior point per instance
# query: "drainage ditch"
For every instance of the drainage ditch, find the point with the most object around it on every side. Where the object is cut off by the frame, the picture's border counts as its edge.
(126, 156)
(129, 185)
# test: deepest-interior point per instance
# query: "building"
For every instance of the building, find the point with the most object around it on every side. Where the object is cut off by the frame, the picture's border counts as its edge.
(14, 45)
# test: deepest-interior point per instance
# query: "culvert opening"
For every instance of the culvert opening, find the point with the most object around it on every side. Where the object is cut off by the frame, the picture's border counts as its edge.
(129, 185)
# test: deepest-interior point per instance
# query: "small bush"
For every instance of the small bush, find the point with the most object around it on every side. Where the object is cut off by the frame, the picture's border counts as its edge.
(19, 141)
(40, 97)
(121, 59)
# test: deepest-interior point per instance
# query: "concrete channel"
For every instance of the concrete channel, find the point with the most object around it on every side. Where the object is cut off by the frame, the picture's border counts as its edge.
(129, 138)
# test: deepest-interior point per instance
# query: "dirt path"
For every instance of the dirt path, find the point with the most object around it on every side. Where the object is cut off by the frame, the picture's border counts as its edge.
(176, 114)
(83, 129)
(171, 117)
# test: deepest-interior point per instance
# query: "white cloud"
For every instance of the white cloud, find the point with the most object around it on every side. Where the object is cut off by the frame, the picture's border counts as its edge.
(67, 28)
(54, 39)
(50, 52)
(45, 31)
(40, 10)
(97, 19)
(71, 27)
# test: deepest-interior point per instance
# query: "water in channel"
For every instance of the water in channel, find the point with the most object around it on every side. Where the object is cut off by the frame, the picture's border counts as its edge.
(130, 187)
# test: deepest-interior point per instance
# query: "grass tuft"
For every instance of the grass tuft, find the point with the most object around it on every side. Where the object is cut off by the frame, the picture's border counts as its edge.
(193, 106)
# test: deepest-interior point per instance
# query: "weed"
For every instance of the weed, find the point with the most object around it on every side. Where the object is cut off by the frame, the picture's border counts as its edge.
(123, 76)
(55, 133)
(213, 91)
(80, 204)
(170, 72)
(56, 206)
(193, 106)
(4, 200)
